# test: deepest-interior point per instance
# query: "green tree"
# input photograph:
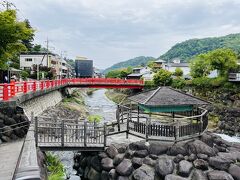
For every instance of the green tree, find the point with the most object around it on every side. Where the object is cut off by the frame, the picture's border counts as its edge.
(12, 34)
(222, 60)
(162, 78)
(178, 72)
(28, 42)
(200, 66)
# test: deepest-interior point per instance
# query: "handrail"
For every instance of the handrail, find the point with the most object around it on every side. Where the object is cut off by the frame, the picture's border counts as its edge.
(13, 89)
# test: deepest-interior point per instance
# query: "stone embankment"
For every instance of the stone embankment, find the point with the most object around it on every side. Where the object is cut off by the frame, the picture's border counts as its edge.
(12, 125)
(207, 158)
(229, 120)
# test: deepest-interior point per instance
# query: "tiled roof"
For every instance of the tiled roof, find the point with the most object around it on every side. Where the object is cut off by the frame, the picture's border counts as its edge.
(166, 96)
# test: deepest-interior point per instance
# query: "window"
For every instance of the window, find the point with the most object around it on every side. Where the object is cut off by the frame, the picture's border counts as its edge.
(28, 59)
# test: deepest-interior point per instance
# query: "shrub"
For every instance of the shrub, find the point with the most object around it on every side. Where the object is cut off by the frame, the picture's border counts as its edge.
(55, 167)
(178, 83)
(96, 118)
(149, 84)
(24, 75)
(162, 78)
(178, 72)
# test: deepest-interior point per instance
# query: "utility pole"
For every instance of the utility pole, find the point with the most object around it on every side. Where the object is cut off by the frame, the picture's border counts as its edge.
(47, 50)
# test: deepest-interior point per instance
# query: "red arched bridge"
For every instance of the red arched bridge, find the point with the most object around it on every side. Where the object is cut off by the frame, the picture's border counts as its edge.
(14, 89)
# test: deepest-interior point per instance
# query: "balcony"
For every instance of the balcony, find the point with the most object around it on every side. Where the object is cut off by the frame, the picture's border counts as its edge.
(234, 77)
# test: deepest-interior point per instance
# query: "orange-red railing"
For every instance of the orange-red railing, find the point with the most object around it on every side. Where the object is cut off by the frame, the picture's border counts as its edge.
(10, 90)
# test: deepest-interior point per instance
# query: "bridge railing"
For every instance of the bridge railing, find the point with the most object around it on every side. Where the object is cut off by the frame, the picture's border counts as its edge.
(65, 134)
(10, 90)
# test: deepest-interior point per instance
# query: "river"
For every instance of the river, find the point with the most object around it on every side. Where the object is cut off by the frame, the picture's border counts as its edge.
(97, 104)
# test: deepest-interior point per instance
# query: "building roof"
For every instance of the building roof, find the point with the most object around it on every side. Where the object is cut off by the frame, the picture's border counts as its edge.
(178, 64)
(135, 75)
(166, 96)
(160, 60)
(37, 53)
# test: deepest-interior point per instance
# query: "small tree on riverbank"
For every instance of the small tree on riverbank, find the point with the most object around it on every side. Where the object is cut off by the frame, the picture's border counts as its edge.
(162, 78)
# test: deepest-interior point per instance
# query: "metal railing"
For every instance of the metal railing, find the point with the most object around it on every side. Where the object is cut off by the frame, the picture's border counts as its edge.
(11, 90)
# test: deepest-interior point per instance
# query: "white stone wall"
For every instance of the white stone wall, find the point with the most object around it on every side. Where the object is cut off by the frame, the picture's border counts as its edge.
(41, 103)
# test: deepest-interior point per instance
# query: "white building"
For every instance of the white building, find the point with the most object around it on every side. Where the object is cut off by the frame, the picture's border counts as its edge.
(58, 66)
(176, 63)
(27, 60)
(141, 72)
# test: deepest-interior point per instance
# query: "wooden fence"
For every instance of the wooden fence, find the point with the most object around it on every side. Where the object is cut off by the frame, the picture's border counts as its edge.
(66, 134)
(185, 125)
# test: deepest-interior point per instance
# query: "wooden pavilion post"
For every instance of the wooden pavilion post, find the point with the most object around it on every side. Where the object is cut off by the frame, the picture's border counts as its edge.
(128, 119)
(36, 131)
(177, 130)
(148, 126)
(138, 113)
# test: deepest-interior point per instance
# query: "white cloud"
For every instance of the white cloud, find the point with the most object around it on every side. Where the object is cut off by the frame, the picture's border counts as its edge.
(110, 31)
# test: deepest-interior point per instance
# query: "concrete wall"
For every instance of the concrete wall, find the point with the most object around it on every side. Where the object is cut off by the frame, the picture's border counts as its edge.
(41, 103)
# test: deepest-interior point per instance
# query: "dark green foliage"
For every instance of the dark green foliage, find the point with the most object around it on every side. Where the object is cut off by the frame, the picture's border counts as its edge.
(55, 167)
(24, 75)
(178, 72)
(162, 78)
(119, 73)
(12, 35)
(221, 60)
(178, 83)
(138, 61)
(149, 84)
(190, 48)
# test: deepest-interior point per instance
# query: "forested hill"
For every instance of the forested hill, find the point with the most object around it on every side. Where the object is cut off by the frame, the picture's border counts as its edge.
(187, 49)
(141, 60)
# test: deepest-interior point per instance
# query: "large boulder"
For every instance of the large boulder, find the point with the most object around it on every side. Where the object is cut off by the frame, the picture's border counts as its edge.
(93, 174)
(111, 151)
(113, 174)
(149, 161)
(140, 145)
(200, 164)
(164, 166)
(184, 168)
(107, 164)
(104, 175)
(141, 153)
(174, 177)
(199, 175)
(198, 146)
(178, 148)
(96, 163)
(219, 175)
(234, 170)
(122, 178)
(7, 131)
(219, 163)
(129, 154)
(120, 147)
(9, 121)
(125, 168)
(202, 156)
(178, 158)
(207, 139)
(19, 132)
(145, 172)
(231, 156)
(137, 162)
(158, 148)
(118, 159)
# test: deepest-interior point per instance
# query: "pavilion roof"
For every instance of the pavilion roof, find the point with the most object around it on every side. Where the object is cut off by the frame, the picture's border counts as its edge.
(166, 96)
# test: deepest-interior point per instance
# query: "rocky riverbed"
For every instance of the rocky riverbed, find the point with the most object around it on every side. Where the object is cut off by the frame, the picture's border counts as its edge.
(206, 158)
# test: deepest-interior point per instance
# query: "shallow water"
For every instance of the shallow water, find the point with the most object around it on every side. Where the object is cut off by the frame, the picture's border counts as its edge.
(99, 104)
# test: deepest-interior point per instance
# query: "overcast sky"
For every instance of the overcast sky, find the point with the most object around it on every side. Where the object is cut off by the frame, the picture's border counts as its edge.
(109, 31)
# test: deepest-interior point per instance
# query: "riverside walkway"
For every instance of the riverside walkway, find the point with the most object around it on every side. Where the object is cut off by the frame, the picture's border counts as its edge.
(18, 89)
(9, 155)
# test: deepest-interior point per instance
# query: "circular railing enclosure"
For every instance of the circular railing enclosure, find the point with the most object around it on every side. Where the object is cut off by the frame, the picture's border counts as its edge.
(163, 126)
